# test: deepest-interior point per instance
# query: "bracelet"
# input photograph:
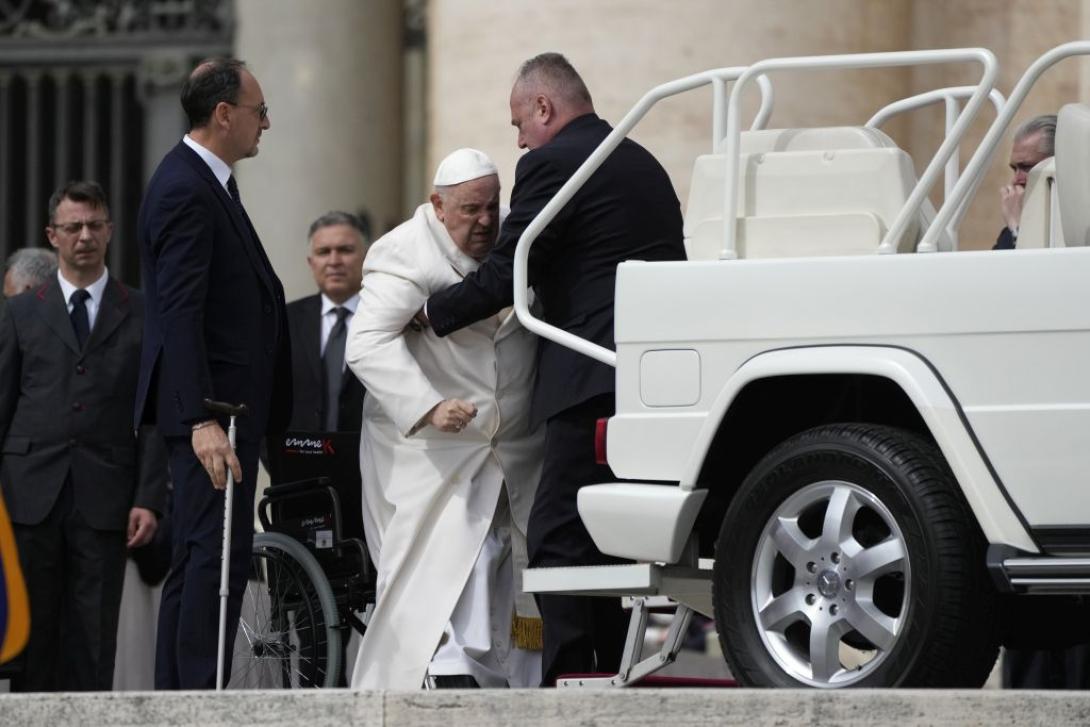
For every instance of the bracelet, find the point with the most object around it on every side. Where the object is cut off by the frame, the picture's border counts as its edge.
(202, 425)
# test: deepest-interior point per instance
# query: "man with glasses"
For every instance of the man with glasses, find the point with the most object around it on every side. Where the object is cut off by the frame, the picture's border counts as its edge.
(78, 485)
(216, 329)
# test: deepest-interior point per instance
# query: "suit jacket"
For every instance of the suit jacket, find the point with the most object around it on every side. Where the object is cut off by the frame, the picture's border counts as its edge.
(216, 326)
(1006, 240)
(626, 211)
(68, 413)
(308, 386)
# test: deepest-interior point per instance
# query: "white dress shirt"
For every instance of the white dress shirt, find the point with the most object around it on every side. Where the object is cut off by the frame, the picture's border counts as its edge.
(329, 318)
(219, 167)
(96, 289)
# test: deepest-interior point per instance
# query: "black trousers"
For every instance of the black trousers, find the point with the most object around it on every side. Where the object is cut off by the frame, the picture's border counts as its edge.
(1047, 668)
(74, 575)
(188, 633)
(581, 633)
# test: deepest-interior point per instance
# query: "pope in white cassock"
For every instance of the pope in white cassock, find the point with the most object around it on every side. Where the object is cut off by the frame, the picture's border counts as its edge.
(448, 461)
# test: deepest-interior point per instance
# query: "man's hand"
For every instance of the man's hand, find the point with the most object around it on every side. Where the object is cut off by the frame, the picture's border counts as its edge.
(1010, 203)
(213, 449)
(419, 321)
(451, 415)
(142, 527)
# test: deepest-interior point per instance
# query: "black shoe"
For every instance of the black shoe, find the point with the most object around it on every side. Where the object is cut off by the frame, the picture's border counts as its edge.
(455, 681)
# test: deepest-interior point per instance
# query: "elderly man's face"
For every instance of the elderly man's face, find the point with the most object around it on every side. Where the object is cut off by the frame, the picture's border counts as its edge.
(471, 213)
(336, 260)
(1025, 155)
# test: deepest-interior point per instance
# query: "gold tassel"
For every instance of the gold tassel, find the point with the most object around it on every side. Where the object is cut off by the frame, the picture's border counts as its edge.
(526, 632)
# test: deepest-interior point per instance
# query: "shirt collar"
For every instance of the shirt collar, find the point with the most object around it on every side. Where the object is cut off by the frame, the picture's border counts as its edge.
(219, 167)
(350, 304)
(95, 289)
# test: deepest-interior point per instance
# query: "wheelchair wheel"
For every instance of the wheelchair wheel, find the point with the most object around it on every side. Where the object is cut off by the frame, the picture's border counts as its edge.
(287, 634)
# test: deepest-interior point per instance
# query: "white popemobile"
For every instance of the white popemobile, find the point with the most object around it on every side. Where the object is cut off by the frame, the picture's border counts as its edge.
(882, 442)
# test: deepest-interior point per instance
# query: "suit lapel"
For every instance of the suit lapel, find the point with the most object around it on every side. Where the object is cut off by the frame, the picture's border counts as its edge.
(111, 312)
(311, 337)
(241, 223)
(54, 310)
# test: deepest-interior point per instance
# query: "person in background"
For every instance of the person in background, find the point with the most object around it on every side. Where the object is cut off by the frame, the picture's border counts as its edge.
(28, 268)
(80, 487)
(326, 396)
(1034, 141)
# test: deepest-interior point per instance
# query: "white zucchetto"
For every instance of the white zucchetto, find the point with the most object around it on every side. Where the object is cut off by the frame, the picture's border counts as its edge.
(463, 165)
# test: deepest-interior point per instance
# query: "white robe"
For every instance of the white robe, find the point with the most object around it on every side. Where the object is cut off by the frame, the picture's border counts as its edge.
(429, 496)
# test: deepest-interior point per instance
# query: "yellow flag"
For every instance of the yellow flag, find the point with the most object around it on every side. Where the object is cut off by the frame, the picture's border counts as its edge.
(14, 611)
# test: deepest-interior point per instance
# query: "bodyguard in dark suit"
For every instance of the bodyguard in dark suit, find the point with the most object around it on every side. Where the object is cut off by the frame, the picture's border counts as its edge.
(78, 484)
(326, 396)
(216, 328)
(627, 210)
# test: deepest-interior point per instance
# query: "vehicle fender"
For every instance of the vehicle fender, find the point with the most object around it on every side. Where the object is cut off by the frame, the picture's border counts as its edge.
(925, 389)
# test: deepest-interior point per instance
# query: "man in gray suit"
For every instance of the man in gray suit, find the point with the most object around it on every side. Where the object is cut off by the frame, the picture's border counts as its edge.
(78, 484)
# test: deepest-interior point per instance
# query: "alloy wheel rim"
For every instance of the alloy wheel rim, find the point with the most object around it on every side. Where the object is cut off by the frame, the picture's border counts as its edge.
(830, 584)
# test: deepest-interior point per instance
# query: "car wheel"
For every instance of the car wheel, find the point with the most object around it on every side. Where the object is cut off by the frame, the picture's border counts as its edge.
(849, 558)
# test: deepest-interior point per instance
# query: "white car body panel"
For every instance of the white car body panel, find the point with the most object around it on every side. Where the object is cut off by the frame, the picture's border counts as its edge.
(1000, 328)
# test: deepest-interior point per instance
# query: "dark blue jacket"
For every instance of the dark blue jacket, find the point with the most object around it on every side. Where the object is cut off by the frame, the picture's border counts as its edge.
(215, 323)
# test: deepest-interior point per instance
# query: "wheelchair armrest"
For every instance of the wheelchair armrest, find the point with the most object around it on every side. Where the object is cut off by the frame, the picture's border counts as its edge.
(303, 488)
(288, 488)
(364, 555)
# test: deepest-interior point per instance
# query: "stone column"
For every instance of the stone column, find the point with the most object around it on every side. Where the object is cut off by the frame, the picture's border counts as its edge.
(159, 85)
(331, 75)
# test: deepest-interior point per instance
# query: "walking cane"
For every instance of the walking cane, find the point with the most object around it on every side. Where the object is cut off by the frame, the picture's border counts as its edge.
(232, 411)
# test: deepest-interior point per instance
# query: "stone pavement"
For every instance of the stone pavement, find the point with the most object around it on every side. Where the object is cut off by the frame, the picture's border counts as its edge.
(635, 707)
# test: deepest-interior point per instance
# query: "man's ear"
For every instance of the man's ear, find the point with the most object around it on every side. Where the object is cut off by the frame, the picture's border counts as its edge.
(222, 114)
(543, 108)
(437, 204)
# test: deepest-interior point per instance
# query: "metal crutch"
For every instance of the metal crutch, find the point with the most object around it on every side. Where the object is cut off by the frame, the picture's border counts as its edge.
(232, 411)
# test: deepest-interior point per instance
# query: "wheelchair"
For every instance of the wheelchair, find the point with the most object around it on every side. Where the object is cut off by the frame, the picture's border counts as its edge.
(311, 583)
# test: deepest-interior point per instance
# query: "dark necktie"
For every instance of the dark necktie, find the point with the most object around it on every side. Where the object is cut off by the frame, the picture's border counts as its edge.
(80, 321)
(334, 369)
(232, 188)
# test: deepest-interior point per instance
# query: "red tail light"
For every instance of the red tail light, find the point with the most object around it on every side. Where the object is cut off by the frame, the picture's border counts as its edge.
(600, 440)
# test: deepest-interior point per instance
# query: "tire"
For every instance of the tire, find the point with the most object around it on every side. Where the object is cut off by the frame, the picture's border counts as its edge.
(287, 635)
(849, 558)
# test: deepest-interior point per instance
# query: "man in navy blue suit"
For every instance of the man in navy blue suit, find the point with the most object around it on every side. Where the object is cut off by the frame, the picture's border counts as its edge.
(215, 328)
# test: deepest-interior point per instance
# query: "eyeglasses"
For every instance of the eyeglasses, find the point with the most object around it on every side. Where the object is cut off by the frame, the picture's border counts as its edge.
(73, 228)
(262, 109)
